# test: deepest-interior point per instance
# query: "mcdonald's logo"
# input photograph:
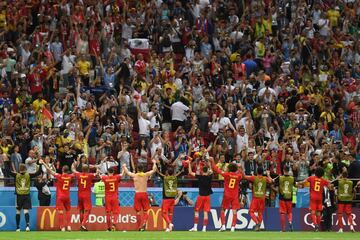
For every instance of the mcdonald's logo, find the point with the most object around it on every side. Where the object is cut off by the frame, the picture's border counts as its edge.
(51, 214)
(155, 217)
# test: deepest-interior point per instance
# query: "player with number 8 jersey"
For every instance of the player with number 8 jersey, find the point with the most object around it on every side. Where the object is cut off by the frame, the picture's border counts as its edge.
(230, 200)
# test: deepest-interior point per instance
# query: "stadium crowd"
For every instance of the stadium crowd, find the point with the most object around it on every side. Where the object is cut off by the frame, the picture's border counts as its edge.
(272, 83)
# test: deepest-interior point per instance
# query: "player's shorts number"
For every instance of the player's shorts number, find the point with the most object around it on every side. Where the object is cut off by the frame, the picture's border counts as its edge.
(317, 186)
(66, 185)
(83, 182)
(112, 186)
(232, 183)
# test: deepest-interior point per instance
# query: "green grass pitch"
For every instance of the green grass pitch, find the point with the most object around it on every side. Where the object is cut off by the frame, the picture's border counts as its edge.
(177, 235)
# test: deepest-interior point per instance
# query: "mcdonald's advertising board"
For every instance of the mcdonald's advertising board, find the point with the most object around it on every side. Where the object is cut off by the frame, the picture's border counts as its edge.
(47, 219)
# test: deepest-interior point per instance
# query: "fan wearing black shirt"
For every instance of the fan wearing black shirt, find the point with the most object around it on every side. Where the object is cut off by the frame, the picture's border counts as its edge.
(203, 200)
(68, 157)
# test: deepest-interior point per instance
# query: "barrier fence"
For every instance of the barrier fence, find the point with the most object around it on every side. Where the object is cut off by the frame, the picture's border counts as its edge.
(45, 219)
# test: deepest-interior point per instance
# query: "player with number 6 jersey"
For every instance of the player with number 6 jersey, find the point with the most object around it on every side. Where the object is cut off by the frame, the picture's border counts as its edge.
(63, 182)
(230, 200)
(259, 185)
(317, 184)
(84, 180)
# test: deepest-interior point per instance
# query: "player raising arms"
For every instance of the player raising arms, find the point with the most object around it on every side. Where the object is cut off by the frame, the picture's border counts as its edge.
(259, 184)
(317, 184)
(232, 179)
(111, 182)
(63, 182)
(345, 196)
(84, 180)
(22, 190)
(169, 194)
(203, 200)
(286, 184)
(141, 200)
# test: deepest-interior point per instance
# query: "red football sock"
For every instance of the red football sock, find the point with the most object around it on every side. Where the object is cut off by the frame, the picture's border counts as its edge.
(260, 217)
(81, 217)
(234, 219)
(61, 220)
(313, 217)
(166, 217)
(85, 219)
(340, 222)
(108, 220)
(318, 219)
(290, 217)
(283, 221)
(350, 219)
(138, 220)
(222, 217)
(68, 218)
(196, 219)
(170, 216)
(146, 217)
(253, 217)
(205, 222)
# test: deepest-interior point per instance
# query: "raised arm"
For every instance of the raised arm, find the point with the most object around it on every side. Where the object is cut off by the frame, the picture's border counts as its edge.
(152, 171)
(215, 168)
(191, 173)
(127, 172)
(49, 170)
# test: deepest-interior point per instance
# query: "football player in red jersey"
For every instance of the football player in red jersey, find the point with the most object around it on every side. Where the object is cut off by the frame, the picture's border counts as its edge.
(84, 180)
(63, 182)
(112, 207)
(230, 200)
(317, 184)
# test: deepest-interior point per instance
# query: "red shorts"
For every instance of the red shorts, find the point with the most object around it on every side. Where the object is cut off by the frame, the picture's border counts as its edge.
(84, 203)
(63, 203)
(168, 205)
(112, 204)
(344, 207)
(257, 205)
(316, 205)
(141, 201)
(285, 206)
(203, 203)
(230, 202)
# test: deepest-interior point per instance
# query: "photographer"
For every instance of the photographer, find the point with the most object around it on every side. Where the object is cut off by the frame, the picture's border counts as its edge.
(182, 199)
(106, 163)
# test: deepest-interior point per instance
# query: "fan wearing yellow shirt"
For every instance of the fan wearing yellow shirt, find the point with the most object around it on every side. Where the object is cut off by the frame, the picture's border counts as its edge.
(39, 103)
(333, 16)
(83, 65)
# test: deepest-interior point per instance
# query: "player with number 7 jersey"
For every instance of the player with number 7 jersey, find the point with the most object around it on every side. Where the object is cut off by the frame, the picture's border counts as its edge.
(230, 200)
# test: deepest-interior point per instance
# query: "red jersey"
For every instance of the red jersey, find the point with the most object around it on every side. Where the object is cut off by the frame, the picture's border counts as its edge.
(84, 183)
(231, 181)
(317, 187)
(111, 185)
(63, 182)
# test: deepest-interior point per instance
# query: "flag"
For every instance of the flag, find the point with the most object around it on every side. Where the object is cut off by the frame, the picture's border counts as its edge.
(47, 114)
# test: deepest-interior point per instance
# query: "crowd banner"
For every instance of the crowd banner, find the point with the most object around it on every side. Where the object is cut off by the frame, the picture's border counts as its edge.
(46, 219)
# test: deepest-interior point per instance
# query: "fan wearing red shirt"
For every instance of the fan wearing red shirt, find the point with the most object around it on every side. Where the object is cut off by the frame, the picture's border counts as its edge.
(230, 200)
(317, 184)
(84, 180)
(63, 182)
(259, 184)
(112, 208)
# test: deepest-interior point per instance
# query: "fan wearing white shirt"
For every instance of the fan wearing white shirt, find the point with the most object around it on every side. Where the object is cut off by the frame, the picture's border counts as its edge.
(242, 139)
(178, 114)
(144, 125)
